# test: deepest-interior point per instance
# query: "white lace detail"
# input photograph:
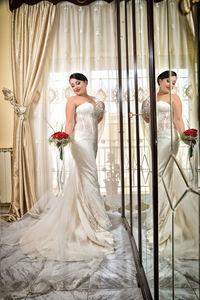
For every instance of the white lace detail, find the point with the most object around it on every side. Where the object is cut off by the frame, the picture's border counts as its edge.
(85, 121)
(164, 119)
(146, 107)
(100, 109)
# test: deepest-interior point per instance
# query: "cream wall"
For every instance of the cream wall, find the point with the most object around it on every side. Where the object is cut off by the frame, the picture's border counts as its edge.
(6, 109)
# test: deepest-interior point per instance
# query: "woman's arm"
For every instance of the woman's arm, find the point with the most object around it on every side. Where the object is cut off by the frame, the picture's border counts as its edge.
(145, 118)
(100, 106)
(146, 110)
(70, 116)
(177, 110)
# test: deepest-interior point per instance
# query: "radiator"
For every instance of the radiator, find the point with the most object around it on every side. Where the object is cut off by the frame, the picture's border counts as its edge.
(5, 175)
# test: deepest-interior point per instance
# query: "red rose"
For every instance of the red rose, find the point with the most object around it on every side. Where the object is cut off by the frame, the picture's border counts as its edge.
(55, 135)
(187, 132)
(193, 132)
(60, 135)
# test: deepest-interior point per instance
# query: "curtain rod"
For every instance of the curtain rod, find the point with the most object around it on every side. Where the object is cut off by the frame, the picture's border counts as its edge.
(13, 4)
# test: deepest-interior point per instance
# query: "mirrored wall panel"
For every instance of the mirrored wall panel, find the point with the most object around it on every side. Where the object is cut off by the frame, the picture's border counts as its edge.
(177, 121)
(158, 56)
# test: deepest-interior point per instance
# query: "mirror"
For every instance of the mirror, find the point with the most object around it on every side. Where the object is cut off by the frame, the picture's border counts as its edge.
(145, 140)
(177, 171)
(125, 97)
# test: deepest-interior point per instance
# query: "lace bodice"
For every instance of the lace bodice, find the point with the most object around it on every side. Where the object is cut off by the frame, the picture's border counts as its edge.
(163, 117)
(87, 117)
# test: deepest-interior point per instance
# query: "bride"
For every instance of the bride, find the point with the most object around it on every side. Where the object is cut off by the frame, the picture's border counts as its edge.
(170, 187)
(61, 241)
(73, 226)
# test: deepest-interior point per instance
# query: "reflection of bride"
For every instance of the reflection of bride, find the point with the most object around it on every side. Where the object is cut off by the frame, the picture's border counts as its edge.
(170, 187)
(71, 227)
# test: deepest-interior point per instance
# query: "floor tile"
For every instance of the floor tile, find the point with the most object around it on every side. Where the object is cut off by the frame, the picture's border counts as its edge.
(72, 295)
(197, 292)
(114, 274)
(179, 294)
(115, 294)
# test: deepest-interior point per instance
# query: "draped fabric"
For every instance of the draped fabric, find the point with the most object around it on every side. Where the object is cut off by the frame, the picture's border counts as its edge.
(84, 40)
(31, 28)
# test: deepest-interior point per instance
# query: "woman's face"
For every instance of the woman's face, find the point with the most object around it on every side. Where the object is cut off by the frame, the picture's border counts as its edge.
(165, 84)
(78, 86)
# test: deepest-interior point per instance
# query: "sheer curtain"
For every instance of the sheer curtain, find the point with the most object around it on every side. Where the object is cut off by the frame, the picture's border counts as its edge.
(84, 40)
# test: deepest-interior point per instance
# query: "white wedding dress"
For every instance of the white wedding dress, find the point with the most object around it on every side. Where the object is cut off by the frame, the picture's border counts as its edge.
(72, 227)
(75, 225)
(171, 187)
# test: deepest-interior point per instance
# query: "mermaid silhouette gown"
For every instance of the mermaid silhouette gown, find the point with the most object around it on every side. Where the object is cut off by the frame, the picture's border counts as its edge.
(73, 226)
(170, 189)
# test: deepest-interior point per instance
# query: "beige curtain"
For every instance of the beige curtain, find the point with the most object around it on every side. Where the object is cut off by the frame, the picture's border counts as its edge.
(31, 28)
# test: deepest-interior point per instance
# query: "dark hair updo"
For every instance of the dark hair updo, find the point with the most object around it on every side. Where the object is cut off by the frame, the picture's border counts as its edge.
(166, 74)
(78, 76)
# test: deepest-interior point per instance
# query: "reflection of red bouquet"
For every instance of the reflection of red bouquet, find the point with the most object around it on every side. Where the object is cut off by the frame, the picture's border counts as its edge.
(60, 139)
(189, 137)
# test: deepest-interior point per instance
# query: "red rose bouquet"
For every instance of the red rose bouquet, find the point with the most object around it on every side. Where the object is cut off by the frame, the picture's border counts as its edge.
(189, 137)
(60, 139)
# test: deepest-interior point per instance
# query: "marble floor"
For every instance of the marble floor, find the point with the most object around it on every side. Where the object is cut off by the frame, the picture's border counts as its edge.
(114, 279)
(186, 272)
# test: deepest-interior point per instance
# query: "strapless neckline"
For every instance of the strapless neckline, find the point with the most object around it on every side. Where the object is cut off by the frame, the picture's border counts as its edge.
(87, 102)
(163, 102)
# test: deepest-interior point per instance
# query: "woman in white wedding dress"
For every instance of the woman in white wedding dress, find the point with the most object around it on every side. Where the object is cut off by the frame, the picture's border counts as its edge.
(76, 224)
(170, 187)
(70, 228)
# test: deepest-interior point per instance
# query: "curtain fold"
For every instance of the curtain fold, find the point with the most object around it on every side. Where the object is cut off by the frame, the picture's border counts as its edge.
(31, 28)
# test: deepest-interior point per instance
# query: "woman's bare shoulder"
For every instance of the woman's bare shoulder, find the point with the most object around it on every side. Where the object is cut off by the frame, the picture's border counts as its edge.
(176, 97)
(176, 100)
(72, 100)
